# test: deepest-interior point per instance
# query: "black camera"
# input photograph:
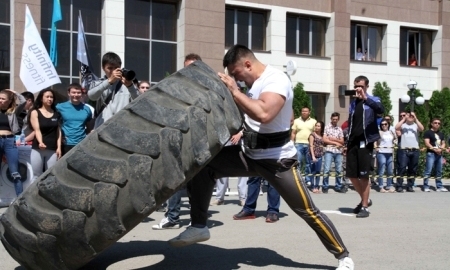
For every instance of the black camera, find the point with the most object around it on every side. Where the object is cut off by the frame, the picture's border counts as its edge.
(128, 74)
(350, 92)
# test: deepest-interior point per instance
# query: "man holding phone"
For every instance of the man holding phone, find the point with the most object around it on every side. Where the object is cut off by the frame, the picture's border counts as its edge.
(363, 132)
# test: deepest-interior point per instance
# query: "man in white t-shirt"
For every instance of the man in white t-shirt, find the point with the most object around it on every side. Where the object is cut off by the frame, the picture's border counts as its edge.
(267, 152)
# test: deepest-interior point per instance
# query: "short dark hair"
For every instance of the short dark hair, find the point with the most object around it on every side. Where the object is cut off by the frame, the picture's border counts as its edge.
(192, 56)
(434, 119)
(28, 95)
(76, 86)
(305, 107)
(362, 78)
(112, 59)
(235, 53)
(336, 114)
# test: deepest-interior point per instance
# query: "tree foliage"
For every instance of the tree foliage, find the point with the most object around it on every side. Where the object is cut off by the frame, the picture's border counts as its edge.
(438, 107)
(301, 100)
(383, 91)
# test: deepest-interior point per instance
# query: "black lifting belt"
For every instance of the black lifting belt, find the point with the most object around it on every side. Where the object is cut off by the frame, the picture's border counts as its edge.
(255, 140)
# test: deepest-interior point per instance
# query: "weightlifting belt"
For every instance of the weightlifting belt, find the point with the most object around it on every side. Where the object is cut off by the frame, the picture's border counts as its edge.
(255, 140)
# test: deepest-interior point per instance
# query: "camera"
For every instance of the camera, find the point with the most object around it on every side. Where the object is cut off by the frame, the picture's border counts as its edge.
(350, 92)
(128, 74)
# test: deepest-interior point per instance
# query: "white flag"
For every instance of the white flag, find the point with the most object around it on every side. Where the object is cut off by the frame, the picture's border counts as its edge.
(36, 69)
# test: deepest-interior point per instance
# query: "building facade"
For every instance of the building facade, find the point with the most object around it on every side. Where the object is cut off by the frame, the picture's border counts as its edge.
(331, 41)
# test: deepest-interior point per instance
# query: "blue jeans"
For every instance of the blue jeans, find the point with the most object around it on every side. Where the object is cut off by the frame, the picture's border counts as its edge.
(316, 168)
(385, 161)
(328, 158)
(302, 153)
(410, 159)
(173, 207)
(254, 186)
(433, 160)
(9, 149)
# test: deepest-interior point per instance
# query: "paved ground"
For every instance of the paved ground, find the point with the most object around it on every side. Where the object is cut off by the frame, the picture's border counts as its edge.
(405, 231)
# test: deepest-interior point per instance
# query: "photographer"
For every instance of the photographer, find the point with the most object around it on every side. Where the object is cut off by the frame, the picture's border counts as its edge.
(114, 91)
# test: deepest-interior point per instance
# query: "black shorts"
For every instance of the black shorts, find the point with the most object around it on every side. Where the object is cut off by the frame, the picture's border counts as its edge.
(359, 160)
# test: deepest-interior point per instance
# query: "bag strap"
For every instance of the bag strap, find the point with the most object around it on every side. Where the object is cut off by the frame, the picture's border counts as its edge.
(108, 99)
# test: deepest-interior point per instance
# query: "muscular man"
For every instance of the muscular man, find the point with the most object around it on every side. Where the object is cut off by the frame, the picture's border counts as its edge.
(267, 110)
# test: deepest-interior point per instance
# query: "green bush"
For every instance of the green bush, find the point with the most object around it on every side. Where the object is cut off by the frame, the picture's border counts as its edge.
(438, 107)
(301, 100)
(383, 91)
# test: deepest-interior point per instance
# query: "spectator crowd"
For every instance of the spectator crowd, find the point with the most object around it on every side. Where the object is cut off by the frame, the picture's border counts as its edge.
(52, 130)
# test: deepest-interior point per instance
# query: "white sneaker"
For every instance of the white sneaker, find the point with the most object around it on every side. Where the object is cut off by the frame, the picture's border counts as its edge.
(346, 264)
(190, 236)
(426, 189)
(166, 224)
(442, 189)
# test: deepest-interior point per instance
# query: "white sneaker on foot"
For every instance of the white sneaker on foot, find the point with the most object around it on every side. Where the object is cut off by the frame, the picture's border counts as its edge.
(346, 264)
(442, 189)
(427, 189)
(166, 224)
(191, 236)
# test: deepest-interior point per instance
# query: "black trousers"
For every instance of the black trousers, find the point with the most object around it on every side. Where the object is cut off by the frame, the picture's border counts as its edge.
(281, 174)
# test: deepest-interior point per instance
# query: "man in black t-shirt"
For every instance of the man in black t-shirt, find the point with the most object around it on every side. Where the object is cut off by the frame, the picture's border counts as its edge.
(435, 143)
(363, 132)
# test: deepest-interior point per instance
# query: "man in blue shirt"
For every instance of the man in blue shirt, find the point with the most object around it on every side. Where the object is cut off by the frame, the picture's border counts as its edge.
(76, 118)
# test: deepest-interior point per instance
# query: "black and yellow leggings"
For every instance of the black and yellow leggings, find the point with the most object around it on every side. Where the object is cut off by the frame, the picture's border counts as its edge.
(281, 174)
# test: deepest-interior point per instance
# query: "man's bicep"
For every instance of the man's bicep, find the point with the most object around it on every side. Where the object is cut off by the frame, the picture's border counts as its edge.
(272, 103)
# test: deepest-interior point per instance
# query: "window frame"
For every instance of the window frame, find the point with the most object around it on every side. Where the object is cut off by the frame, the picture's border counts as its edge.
(250, 11)
(8, 45)
(380, 29)
(150, 40)
(418, 52)
(311, 38)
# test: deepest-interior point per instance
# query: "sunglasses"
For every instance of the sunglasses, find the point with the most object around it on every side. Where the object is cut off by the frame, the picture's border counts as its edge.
(385, 124)
(145, 87)
(436, 123)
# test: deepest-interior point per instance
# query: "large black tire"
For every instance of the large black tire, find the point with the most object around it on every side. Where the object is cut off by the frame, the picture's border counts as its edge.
(121, 172)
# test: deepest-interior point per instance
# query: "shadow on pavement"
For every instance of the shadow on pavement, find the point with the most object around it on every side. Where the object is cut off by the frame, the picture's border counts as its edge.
(197, 256)
(346, 210)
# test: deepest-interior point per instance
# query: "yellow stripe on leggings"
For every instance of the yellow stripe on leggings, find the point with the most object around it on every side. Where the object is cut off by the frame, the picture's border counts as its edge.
(316, 219)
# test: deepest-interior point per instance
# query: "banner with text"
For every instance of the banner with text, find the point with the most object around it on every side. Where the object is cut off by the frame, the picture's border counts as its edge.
(36, 69)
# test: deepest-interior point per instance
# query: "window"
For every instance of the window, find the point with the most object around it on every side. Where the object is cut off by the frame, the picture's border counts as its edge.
(5, 44)
(305, 35)
(365, 42)
(318, 103)
(150, 39)
(68, 67)
(245, 27)
(415, 47)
